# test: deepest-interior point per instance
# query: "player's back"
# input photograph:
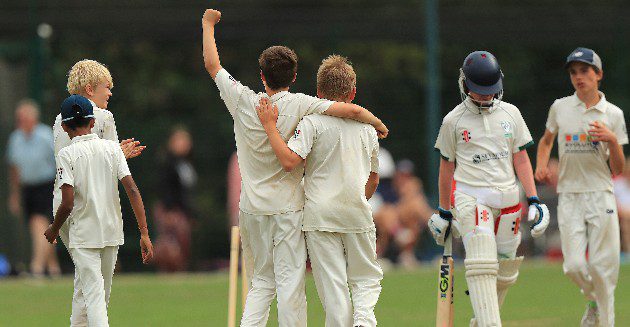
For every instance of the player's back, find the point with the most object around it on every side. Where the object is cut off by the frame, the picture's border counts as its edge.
(266, 188)
(343, 154)
(96, 167)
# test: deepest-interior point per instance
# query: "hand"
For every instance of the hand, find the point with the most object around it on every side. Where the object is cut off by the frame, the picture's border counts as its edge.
(542, 174)
(131, 148)
(382, 131)
(211, 17)
(51, 234)
(440, 225)
(14, 204)
(539, 214)
(267, 113)
(600, 133)
(146, 247)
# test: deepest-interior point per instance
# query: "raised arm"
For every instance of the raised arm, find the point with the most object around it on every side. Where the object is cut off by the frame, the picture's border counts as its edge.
(210, 53)
(542, 156)
(268, 115)
(138, 210)
(358, 113)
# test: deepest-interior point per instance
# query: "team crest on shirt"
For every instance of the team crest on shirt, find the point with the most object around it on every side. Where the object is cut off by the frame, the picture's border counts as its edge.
(466, 136)
(296, 134)
(507, 128)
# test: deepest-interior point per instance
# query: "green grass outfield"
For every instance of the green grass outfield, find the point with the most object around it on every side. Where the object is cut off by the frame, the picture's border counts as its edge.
(542, 297)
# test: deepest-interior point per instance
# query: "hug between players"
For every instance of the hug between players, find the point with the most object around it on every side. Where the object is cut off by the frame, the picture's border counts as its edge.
(309, 165)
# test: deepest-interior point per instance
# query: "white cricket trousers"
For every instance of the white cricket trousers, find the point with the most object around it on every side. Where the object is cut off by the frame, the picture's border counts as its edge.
(96, 268)
(276, 245)
(589, 221)
(339, 260)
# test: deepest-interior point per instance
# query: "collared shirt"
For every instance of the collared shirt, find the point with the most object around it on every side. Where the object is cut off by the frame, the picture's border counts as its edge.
(583, 163)
(266, 188)
(104, 127)
(33, 155)
(93, 167)
(482, 143)
(340, 154)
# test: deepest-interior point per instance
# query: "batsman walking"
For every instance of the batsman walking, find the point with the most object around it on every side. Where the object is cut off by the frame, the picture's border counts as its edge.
(487, 138)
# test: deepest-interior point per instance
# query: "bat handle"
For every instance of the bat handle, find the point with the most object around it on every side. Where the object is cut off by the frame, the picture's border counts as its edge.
(448, 245)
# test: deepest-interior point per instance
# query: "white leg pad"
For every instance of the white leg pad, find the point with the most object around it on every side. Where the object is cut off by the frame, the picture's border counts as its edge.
(481, 275)
(506, 276)
(507, 231)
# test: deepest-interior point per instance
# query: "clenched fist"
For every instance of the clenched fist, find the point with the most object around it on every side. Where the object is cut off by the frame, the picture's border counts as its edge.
(211, 17)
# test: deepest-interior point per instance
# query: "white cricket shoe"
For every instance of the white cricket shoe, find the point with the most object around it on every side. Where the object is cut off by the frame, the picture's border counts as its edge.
(590, 317)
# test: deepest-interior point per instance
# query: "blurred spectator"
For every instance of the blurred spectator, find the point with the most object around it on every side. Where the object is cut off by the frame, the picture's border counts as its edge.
(400, 223)
(622, 193)
(174, 212)
(31, 161)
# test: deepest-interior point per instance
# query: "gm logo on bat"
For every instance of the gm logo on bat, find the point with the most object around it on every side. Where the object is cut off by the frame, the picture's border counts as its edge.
(444, 270)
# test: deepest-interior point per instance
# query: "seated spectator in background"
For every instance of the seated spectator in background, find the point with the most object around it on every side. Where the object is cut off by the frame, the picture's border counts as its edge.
(31, 161)
(400, 224)
(621, 186)
(174, 212)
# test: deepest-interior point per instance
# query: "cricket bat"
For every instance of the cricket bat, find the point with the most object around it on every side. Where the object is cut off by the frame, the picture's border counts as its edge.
(445, 314)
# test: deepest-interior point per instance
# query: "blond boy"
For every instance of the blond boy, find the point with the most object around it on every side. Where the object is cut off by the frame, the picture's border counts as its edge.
(93, 81)
(340, 176)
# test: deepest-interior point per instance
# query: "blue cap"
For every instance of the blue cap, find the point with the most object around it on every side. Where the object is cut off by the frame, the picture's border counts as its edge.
(584, 55)
(76, 106)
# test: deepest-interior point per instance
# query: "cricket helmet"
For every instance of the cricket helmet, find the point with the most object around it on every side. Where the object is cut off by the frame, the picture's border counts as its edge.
(481, 73)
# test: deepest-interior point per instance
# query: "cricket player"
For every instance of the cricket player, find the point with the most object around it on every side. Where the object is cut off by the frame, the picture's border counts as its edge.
(341, 174)
(88, 171)
(271, 200)
(482, 143)
(93, 81)
(591, 132)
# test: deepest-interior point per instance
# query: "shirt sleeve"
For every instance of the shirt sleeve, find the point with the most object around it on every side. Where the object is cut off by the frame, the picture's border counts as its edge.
(315, 105)
(302, 140)
(65, 173)
(522, 136)
(619, 128)
(109, 129)
(446, 142)
(375, 149)
(230, 90)
(123, 168)
(552, 122)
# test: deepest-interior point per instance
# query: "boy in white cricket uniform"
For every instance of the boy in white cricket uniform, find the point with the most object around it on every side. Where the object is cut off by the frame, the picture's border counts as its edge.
(487, 138)
(341, 173)
(271, 199)
(88, 172)
(93, 81)
(591, 132)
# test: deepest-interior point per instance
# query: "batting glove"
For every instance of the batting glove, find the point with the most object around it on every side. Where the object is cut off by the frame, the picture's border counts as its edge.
(539, 214)
(440, 225)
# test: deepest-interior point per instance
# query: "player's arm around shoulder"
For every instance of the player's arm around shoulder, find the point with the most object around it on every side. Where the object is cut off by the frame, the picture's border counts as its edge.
(268, 115)
(356, 112)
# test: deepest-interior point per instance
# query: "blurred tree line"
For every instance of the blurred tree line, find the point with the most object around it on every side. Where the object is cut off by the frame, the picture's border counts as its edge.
(153, 49)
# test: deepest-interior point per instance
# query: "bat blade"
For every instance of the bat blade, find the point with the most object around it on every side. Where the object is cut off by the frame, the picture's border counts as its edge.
(444, 313)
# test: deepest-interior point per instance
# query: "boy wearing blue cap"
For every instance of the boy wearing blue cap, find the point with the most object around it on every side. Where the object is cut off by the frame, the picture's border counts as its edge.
(591, 132)
(88, 171)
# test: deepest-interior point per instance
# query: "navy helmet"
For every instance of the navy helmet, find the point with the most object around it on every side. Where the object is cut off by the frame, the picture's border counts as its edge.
(482, 73)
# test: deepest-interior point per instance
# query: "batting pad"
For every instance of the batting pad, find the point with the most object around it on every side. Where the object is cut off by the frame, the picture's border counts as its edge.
(481, 275)
(507, 231)
(507, 275)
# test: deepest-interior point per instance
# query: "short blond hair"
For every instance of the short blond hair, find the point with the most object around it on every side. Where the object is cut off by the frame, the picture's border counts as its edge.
(336, 78)
(87, 72)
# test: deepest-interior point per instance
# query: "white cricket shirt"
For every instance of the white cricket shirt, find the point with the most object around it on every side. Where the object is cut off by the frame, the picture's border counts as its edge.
(583, 163)
(104, 127)
(340, 154)
(482, 143)
(93, 166)
(266, 188)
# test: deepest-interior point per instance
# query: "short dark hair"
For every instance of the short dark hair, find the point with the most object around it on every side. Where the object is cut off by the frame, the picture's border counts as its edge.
(77, 122)
(279, 65)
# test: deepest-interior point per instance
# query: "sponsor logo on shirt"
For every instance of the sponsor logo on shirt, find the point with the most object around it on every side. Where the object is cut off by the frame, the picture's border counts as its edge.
(484, 215)
(507, 128)
(479, 158)
(466, 136)
(296, 134)
(579, 143)
(610, 210)
(59, 173)
(232, 79)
